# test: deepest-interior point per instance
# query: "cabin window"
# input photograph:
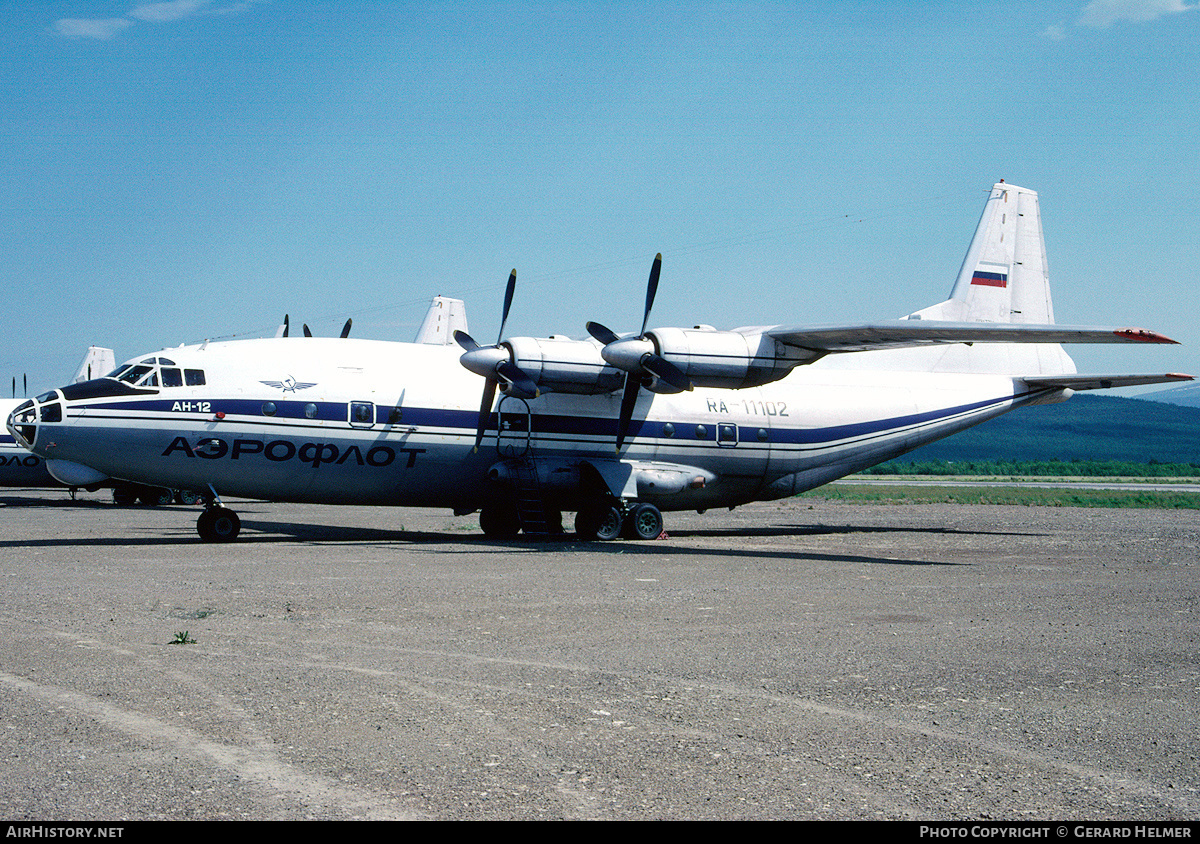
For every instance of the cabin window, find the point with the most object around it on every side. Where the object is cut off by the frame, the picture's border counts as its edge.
(269, 408)
(310, 411)
(701, 432)
(668, 430)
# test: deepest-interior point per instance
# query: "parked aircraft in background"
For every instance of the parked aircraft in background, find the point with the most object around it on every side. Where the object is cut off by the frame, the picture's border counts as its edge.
(18, 466)
(616, 427)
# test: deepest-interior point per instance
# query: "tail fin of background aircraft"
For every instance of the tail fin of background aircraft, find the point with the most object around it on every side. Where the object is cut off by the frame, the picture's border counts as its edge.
(1004, 278)
(444, 317)
(96, 363)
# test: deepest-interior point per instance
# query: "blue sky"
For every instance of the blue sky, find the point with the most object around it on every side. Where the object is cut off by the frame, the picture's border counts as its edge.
(177, 171)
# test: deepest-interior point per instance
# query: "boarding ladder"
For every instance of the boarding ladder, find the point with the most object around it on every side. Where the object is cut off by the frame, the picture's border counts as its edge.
(527, 496)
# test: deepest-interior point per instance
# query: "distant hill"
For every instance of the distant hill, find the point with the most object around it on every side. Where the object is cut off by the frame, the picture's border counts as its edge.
(1087, 427)
(1188, 395)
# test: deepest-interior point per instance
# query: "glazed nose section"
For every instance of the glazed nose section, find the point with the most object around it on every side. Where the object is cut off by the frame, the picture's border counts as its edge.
(23, 422)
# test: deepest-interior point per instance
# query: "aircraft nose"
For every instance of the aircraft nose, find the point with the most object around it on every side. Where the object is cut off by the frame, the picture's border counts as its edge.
(23, 422)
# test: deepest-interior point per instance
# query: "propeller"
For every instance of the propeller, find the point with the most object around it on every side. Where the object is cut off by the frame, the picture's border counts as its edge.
(638, 357)
(495, 364)
(283, 329)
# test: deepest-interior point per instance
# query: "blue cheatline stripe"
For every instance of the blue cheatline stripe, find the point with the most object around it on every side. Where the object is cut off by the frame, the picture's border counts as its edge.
(463, 422)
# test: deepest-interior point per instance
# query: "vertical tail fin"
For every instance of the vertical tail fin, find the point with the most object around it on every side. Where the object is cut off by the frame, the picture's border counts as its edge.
(444, 317)
(96, 363)
(1004, 277)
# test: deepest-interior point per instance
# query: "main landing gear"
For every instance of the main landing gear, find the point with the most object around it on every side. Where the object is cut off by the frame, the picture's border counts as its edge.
(607, 519)
(218, 524)
(602, 519)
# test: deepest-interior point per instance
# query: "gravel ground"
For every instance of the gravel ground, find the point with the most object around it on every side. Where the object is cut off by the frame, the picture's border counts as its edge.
(782, 661)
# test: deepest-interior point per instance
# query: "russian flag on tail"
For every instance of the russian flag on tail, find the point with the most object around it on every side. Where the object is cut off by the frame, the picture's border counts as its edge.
(990, 275)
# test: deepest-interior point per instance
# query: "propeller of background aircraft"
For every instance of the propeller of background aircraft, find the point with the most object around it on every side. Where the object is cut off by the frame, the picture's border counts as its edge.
(495, 364)
(638, 357)
(283, 329)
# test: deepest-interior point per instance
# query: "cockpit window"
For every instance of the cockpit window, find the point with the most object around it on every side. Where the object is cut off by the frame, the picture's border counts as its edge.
(157, 371)
(135, 374)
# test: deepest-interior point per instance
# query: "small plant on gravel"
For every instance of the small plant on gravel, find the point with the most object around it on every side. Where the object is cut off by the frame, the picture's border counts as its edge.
(182, 638)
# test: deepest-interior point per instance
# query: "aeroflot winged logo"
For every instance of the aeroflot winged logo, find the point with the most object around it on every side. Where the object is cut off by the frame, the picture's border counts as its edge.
(290, 384)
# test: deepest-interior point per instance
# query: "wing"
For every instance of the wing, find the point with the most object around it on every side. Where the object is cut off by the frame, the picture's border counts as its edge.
(906, 333)
(1101, 382)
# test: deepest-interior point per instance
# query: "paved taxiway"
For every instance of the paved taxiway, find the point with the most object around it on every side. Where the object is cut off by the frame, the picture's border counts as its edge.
(785, 660)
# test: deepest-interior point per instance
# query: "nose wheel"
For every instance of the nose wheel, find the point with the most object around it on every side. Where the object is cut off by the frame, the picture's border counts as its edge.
(218, 524)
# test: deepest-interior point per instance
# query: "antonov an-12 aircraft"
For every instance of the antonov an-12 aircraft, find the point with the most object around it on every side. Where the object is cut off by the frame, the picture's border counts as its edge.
(617, 428)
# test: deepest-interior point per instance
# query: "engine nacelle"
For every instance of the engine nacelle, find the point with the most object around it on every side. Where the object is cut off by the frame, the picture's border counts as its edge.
(727, 359)
(563, 365)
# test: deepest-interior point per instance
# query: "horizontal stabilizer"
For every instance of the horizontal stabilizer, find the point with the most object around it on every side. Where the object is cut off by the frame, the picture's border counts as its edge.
(1102, 382)
(903, 333)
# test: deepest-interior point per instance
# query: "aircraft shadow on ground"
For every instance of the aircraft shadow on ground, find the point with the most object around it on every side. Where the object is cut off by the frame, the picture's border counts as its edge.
(472, 543)
(269, 532)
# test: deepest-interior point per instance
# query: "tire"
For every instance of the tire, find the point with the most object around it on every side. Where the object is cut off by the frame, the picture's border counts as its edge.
(218, 524)
(600, 522)
(644, 521)
(124, 494)
(153, 496)
(499, 521)
(187, 496)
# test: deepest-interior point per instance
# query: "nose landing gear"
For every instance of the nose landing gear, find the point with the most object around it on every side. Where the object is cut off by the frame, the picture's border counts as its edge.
(218, 524)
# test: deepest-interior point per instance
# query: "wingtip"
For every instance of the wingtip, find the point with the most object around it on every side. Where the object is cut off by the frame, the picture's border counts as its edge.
(1141, 335)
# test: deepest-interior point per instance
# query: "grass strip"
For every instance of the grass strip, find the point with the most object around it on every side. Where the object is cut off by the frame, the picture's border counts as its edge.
(933, 494)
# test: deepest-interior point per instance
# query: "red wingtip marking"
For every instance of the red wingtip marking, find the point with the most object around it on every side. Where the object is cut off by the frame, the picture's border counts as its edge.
(1141, 335)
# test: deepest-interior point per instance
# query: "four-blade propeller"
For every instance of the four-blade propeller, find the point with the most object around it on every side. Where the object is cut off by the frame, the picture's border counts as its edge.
(495, 364)
(285, 327)
(638, 356)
